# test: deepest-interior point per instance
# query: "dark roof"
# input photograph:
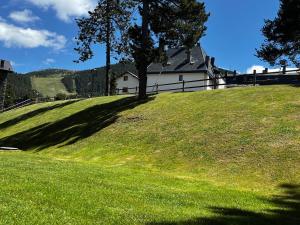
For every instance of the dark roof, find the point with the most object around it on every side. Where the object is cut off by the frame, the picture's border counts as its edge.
(130, 73)
(5, 66)
(177, 62)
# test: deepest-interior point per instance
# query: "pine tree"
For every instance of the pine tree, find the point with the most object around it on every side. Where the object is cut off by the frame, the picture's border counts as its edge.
(172, 23)
(107, 24)
(282, 34)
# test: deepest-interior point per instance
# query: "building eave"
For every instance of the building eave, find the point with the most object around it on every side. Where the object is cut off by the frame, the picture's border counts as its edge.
(177, 72)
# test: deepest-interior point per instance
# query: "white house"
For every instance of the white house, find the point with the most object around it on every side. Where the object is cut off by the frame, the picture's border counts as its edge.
(127, 83)
(190, 70)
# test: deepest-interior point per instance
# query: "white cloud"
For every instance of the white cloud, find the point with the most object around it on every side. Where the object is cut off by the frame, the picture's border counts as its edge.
(65, 9)
(14, 64)
(14, 36)
(260, 69)
(25, 16)
(48, 61)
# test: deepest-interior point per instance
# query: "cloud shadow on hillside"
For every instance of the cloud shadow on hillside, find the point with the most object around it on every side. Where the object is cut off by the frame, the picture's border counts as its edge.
(286, 212)
(34, 113)
(71, 129)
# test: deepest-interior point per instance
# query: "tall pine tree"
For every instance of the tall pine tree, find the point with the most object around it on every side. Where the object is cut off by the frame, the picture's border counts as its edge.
(282, 35)
(107, 24)
(164, 22)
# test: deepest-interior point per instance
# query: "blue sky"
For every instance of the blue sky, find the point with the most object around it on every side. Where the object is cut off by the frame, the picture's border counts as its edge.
(38, 34)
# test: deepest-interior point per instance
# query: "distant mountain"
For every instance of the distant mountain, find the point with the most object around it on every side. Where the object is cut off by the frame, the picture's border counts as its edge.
(49, 72)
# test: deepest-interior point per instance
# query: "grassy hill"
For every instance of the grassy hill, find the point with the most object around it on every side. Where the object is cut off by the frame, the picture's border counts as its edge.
(217, 157)
(49, 86)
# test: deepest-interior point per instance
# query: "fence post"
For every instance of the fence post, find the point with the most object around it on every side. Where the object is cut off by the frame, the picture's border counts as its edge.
(234, 75)
(254, 77)
(215, 83)
(284, 70)
(156, 88)
(136, 90)
(183, 85)
(266, 70)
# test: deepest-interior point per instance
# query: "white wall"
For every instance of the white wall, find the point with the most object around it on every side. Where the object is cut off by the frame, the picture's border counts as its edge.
(154, 79)
(222, 81)
(132, 82)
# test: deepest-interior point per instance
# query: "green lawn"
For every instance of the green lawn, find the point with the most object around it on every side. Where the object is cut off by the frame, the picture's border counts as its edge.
(213, 158)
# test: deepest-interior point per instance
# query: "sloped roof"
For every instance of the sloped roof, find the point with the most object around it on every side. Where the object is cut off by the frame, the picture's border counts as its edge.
(177, 62)
(5, 66)
(130, 73)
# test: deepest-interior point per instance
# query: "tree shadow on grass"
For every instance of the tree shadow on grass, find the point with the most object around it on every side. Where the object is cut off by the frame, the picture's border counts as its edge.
(287, 212)
(34, 113)
(71, 129)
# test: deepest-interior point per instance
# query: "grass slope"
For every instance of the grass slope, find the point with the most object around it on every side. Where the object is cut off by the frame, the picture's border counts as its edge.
(215, 157)
(49, 86)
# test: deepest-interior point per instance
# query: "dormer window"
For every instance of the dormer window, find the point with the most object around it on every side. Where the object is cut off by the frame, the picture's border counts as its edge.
(125, 78)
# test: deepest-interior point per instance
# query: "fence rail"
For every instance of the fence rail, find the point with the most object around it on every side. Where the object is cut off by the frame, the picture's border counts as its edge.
(264, 78)
(19, 105)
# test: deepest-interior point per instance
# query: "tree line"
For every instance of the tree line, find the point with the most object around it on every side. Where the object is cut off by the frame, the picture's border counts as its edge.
(86, 83)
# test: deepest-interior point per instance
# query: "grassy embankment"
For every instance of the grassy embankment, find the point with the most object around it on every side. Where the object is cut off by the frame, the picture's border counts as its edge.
(215, 157)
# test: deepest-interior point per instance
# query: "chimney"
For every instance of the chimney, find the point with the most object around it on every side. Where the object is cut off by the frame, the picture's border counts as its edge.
(207, 61)
(213, 60)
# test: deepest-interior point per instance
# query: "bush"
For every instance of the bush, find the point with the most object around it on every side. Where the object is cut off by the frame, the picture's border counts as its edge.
(61, 96)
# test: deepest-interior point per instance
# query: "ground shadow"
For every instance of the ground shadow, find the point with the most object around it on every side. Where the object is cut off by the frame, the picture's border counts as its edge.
(287, 212)
(34, 113)
(73, 128)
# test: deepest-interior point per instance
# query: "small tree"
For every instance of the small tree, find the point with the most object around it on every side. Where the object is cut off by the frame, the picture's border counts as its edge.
(282, 35)
(172, 23)
(107, 24)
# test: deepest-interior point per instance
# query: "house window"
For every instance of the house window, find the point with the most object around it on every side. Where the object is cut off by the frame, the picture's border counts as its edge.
(180, 77)
(2, 63)
(125, 89)
(125, 78)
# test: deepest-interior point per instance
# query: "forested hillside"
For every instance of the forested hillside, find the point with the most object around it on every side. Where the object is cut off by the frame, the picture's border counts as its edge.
(18, 89)
(51, 82)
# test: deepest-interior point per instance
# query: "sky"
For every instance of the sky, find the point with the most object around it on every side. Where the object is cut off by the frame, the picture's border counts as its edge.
(39, 34)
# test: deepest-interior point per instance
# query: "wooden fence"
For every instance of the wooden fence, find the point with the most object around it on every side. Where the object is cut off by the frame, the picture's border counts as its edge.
(233, 80)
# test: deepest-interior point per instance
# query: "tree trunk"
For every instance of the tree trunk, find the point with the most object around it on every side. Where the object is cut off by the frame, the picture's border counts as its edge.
(3, 83)
(108, 48)
(143, 66)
